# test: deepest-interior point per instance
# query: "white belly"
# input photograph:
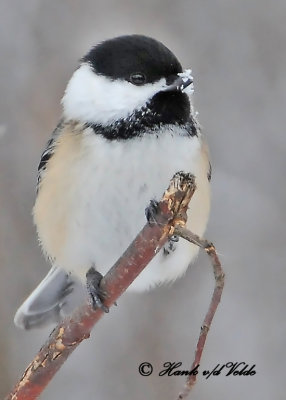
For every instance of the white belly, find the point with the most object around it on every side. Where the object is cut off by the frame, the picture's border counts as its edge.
(92, 200)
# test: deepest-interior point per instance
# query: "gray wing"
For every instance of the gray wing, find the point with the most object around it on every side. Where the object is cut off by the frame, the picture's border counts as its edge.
(48, 152)
(44, 303)
(55, 297)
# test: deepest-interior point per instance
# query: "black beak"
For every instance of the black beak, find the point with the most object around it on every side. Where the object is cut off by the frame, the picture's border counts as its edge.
(179, 83)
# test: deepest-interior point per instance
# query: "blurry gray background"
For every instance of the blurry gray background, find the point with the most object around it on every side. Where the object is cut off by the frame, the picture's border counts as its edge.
(237, 52)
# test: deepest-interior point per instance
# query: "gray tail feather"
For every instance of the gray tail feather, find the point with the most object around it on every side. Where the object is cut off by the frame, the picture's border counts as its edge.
(45, 303)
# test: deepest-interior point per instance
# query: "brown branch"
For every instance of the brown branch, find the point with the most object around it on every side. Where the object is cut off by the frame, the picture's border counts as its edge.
(219, 283)
(69, 333)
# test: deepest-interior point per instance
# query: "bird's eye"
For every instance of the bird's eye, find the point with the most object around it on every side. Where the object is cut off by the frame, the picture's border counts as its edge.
(137, 78)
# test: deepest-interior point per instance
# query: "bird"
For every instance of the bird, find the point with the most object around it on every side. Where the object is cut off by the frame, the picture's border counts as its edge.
(128, 125)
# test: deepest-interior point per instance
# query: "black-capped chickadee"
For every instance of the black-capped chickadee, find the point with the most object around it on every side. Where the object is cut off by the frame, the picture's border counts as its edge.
(128, 126)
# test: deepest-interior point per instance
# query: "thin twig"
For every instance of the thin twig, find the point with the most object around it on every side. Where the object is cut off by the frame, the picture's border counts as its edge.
(219, 283)
(69, 333)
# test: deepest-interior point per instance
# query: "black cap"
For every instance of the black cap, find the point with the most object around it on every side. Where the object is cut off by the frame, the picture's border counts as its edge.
(123, 56)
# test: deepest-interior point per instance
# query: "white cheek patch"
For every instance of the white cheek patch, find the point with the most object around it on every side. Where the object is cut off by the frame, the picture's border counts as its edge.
(99, 100)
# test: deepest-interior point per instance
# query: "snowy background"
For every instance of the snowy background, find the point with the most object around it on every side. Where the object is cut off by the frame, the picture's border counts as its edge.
(237, 52)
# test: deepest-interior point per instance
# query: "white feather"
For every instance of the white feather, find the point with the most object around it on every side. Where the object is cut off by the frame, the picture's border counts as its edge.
(97, 99)
(92, 200)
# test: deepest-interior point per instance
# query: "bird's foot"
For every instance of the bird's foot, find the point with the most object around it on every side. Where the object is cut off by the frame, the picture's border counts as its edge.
(97, 295)
(151, 212)
(170, 246)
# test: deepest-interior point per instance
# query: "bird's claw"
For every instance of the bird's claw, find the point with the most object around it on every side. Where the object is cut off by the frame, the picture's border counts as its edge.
(97, 295)
(151, 212)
